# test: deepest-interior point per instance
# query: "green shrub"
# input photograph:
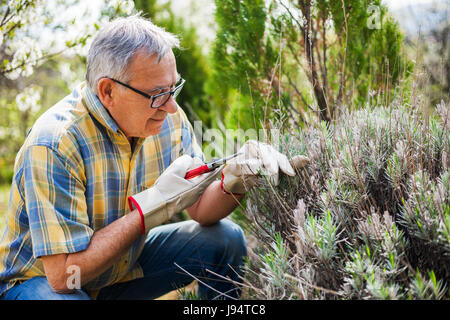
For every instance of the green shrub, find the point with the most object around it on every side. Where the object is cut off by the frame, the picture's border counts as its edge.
(369, 218)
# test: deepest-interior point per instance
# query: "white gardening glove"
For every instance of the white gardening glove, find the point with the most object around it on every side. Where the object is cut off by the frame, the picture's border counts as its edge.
(171, 192)
(242, 172)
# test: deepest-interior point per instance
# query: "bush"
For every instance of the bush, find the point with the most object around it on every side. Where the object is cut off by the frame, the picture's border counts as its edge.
(369, 218)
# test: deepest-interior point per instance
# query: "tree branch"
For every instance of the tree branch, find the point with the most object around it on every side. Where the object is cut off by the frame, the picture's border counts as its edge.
(44, 57)
(318, 88)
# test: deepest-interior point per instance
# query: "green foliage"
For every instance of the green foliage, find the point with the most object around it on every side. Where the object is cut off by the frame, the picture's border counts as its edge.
(185, 294)
(191, 61)
(240, 114)
(243, 57)
(282, 53)
(367, 219)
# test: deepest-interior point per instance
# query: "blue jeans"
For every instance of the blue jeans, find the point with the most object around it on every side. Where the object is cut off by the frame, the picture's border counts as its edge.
(219, 248)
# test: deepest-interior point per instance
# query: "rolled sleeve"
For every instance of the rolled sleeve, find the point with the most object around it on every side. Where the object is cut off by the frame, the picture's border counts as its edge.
(55, 203)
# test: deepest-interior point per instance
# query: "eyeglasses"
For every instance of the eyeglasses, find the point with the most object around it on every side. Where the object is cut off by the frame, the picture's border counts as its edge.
(157, 100)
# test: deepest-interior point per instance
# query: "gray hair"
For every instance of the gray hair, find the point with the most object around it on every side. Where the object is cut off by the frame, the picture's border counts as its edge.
(115, 45)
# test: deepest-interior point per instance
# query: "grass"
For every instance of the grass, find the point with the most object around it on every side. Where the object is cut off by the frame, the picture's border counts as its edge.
(4, 198)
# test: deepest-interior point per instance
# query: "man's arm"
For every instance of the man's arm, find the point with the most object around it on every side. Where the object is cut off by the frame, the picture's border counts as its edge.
(213, 205)
(107, 245)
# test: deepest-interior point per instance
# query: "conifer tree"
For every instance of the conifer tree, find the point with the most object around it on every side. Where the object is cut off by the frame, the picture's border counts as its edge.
(292, 57)
(191, 62)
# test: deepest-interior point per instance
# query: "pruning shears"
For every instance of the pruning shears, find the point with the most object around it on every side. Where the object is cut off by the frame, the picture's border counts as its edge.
(210, 166)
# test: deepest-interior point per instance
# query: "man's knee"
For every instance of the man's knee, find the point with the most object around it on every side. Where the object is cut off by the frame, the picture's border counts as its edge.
(228, 237)
(234, 236)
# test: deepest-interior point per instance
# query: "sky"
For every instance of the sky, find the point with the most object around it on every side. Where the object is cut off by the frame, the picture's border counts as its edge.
(394, 4)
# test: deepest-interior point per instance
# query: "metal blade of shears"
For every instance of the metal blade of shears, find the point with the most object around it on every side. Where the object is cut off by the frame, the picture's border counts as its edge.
(217, 163)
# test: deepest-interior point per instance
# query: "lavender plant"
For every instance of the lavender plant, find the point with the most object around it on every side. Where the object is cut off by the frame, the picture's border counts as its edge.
(369, 218)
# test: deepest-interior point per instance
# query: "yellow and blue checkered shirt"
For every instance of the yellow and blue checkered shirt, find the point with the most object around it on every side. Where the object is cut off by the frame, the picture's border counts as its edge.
(73, 176)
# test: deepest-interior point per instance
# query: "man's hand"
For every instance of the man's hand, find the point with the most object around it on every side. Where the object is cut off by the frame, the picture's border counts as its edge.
(171, 192)
(243, 172)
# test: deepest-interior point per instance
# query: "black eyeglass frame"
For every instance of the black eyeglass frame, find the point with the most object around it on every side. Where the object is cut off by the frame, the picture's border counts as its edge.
(173, 92)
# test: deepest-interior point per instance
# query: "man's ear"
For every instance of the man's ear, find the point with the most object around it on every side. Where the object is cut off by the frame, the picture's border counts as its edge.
(104, 89)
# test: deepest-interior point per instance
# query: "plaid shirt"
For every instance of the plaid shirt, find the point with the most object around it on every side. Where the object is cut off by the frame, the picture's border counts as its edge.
(72, 177)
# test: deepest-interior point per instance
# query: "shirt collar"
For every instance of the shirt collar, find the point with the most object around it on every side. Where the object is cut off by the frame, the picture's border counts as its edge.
(97, 109)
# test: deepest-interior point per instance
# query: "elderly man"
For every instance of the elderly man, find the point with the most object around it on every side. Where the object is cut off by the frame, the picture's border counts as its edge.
(103, 169)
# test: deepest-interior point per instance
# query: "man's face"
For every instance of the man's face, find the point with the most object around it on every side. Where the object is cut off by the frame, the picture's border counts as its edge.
(131, 110)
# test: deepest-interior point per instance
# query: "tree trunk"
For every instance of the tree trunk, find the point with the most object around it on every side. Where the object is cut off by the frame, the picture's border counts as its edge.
(319, 91)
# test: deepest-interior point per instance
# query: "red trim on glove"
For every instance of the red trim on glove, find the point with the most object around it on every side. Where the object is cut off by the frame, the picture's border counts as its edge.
(230, 193)
(132, 201)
